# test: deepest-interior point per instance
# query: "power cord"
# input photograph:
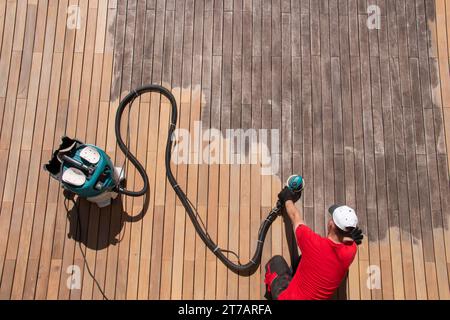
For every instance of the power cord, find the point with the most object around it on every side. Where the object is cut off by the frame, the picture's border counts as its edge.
(83, 253)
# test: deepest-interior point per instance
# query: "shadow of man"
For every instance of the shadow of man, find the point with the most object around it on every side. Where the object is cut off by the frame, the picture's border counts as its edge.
(341, 292)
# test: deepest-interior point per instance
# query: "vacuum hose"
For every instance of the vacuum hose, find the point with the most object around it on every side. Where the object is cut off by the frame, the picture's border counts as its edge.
(243, 269)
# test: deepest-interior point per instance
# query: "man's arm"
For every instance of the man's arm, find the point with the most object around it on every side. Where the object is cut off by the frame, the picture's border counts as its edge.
(294, 214)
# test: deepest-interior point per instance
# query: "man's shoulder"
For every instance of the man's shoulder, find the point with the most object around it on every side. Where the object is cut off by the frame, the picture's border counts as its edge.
(304, 231)
(348, 251)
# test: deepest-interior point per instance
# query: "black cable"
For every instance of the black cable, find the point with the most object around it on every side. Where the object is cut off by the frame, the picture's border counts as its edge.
(125, 160)
(243, 269)
(199, 218)
(79, 232)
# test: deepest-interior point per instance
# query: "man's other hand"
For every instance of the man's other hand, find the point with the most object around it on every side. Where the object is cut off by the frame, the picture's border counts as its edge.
(356, 235)
(287, 194)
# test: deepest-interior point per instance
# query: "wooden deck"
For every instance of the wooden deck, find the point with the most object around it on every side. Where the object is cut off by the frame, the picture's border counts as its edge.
(363, 115)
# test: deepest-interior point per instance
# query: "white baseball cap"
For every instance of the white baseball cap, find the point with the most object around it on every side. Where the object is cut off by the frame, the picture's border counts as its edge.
(344, 217)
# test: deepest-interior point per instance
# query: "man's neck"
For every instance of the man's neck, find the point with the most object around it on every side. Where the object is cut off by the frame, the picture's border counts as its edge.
(333, 237)
(336, 239)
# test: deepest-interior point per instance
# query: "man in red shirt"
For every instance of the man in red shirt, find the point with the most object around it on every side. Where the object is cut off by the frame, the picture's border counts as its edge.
(325, 260)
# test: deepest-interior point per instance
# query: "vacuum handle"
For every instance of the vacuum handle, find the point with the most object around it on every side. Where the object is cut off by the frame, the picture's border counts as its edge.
(79, 165)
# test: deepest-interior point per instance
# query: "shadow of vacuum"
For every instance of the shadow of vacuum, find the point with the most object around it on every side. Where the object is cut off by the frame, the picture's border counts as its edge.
(97, 228)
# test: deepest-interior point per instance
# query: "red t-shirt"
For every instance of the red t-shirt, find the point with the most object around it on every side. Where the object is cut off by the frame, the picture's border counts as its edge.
(322, 267)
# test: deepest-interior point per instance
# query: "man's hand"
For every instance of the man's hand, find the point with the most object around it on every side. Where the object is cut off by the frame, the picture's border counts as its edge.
(287, 194)
(356, 235)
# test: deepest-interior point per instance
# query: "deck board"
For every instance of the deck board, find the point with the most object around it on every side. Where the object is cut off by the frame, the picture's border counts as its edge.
(363, 115)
